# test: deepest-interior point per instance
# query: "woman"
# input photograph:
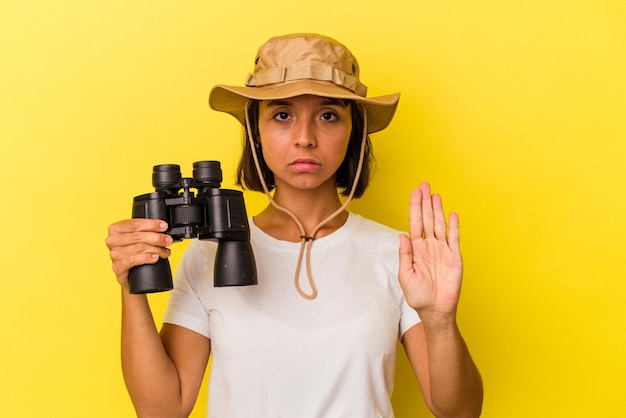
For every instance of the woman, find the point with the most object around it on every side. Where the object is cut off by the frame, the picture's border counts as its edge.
(326, 346)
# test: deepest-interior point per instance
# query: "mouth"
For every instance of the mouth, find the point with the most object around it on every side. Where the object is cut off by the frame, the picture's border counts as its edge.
(302, 165)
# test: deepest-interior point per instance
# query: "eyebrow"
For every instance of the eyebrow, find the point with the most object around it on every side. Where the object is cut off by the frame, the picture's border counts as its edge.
(327, 101)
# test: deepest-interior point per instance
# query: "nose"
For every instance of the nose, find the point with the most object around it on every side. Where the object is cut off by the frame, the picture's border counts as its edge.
(305, 134)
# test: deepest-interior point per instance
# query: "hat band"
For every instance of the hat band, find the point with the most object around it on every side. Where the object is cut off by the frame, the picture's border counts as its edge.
(317, 73)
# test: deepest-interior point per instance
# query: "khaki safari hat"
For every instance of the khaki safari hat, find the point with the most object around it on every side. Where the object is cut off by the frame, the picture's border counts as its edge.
(304, 63)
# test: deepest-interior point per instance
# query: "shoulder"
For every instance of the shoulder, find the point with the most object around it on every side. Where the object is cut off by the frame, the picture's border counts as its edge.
(201, 249)
(371, 227)
(197, 256)
(374, 238)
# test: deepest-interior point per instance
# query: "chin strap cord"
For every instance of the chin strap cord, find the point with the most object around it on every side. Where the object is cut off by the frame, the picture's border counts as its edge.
(306, 241)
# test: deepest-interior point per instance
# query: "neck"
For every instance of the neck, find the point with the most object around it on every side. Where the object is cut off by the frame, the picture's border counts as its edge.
(310, 208)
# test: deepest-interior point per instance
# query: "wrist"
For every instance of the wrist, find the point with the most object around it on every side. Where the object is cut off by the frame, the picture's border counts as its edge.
(127, 295)
(125, 287)
(438, 321)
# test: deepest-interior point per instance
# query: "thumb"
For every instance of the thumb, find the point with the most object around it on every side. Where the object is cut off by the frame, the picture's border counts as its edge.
(405, 268)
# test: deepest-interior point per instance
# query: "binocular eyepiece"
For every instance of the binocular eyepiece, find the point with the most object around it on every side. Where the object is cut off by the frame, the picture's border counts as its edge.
(210, 214)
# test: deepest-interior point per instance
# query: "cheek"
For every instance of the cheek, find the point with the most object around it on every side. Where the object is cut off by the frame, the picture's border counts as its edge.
(268, 145)
(272, 153)
(342, 147)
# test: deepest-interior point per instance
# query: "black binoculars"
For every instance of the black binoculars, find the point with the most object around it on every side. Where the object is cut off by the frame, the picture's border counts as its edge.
(210, 214)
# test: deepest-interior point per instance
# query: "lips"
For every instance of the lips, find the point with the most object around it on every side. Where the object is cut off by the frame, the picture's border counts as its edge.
(303, 165)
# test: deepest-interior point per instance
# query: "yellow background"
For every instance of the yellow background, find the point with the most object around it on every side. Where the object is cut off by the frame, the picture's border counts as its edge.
(514, 110)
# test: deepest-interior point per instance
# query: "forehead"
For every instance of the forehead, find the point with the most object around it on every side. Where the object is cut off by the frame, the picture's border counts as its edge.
(309, 100)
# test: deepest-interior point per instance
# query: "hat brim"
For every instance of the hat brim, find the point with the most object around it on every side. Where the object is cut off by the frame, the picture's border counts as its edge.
(232, 99)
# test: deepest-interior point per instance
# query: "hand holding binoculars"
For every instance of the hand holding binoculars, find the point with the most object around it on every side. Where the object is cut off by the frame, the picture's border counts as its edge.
(210, 214)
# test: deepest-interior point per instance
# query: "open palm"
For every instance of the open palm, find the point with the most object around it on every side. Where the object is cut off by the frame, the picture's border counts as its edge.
(431, 267)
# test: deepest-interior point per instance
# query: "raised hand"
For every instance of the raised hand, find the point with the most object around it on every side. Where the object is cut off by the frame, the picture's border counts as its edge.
(431, 267)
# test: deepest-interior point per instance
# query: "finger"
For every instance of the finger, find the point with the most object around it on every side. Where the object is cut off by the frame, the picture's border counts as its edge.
(454, 235)
(427, 211)
(136, 230)
(416, 222)
(125, 258)
(440, 219)
(121, 253)
(406, 257)
(144, 238)
(138, 224)
(122, 267)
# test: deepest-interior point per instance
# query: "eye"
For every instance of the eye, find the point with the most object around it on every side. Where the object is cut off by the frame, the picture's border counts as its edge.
(329, 116)
(281, 116)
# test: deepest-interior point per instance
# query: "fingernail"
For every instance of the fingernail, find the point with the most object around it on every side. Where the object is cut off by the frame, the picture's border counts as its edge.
(168, 240)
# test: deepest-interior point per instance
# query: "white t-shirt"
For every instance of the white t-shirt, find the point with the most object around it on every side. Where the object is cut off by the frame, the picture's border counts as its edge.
(276, 354)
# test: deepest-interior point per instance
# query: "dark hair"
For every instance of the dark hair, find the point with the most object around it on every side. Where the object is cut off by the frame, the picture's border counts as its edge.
(248, 178)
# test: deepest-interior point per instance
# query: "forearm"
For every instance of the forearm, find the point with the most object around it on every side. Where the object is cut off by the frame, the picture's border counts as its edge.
(455, 383)
(149, 373)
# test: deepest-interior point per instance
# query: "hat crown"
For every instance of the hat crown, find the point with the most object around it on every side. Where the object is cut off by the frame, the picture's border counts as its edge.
(303, 56)
(305, 49)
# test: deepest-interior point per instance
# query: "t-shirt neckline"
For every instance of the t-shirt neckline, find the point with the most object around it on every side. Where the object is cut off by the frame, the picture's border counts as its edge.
(258, 236)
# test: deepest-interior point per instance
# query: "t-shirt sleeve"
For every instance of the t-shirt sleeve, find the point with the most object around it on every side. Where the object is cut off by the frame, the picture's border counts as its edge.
(186, 303)
(408, 317)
